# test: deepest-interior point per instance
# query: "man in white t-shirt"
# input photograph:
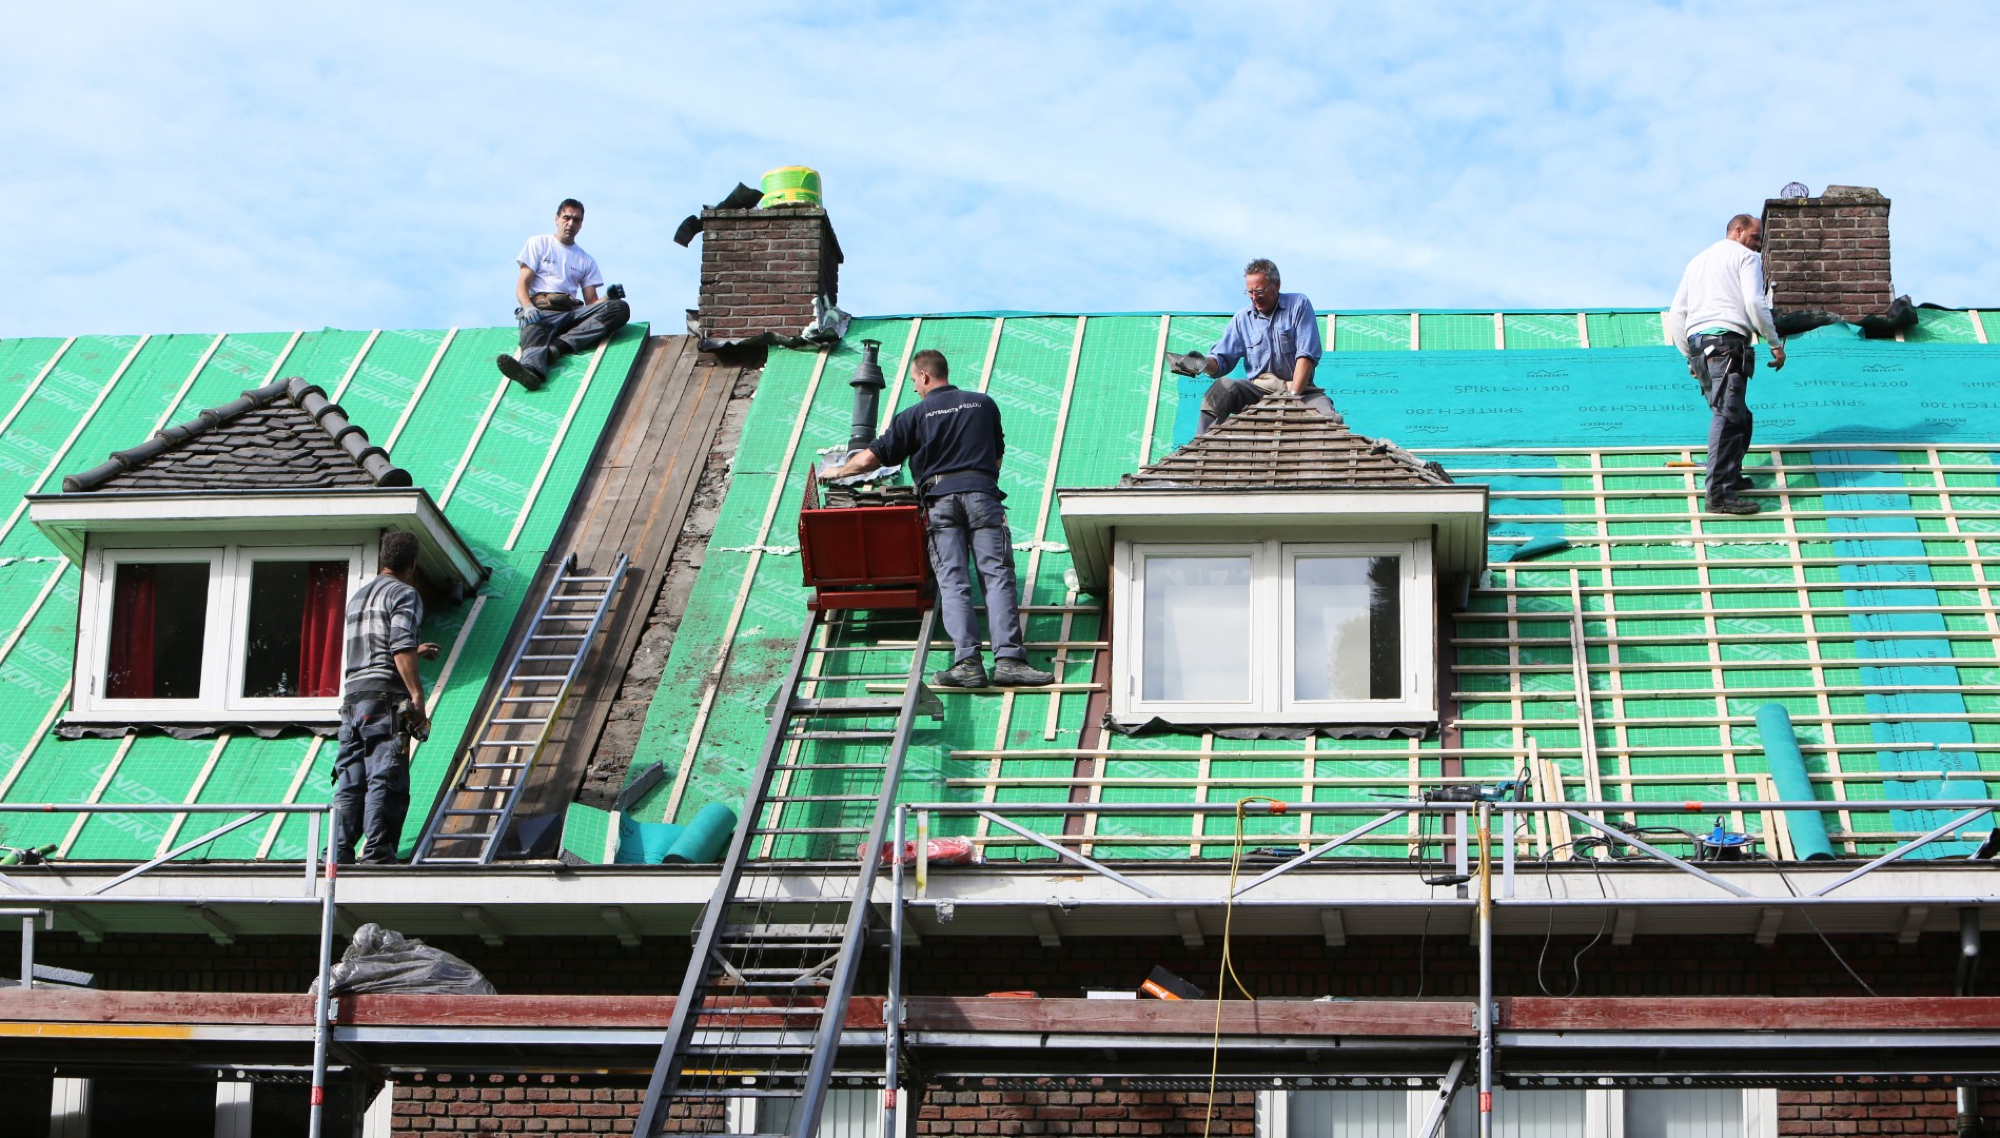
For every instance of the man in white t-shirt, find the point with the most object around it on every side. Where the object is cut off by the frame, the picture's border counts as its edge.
(1721, 302)
(554, 319)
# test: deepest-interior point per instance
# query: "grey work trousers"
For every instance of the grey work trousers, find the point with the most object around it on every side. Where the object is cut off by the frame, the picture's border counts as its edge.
(371, 779)
(1226, 397)
(578, 330)
(972, 526)
(1723, 365)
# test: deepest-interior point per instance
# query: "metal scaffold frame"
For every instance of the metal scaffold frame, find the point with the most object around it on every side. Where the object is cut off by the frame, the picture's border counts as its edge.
(318, 891)
(1473, 832)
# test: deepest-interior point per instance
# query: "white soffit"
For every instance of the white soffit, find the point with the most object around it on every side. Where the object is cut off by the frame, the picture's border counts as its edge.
(68, 519)
(1458, 514)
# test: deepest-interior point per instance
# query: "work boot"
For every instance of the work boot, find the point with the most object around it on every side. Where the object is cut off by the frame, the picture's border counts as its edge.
(1740, 485)
(1011, 673)
(519, 372)
(1733, 506)
(967, 673)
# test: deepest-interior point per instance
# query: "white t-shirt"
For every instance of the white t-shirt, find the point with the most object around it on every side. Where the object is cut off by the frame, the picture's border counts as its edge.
(1723, 287)
(559, 267)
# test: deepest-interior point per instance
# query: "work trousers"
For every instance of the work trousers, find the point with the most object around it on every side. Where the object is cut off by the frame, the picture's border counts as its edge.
(575, 331)
(972, 526)
(1723, 365)
(371, 779)
(1228, 396)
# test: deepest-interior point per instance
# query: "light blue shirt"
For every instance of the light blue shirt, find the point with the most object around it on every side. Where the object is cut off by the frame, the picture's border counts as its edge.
(1270, 343)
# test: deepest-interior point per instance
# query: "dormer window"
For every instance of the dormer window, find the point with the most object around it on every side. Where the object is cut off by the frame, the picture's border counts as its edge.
(1278, 573)
(1275, 629)
(217, 560)
(232, 629)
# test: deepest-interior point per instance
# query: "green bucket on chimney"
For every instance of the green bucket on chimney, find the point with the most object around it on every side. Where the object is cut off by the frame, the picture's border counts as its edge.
(790, 185)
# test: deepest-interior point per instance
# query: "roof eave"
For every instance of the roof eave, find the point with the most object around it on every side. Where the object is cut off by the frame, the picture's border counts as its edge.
(1456, 514)
(69, 519)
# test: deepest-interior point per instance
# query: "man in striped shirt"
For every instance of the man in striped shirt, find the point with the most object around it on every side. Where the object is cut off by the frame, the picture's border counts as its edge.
(382, 702)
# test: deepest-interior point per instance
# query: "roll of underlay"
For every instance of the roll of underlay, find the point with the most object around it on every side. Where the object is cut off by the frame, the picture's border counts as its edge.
(1788, 774)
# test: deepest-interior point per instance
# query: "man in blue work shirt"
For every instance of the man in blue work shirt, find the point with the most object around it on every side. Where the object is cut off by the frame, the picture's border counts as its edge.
(1276, 337)
(953, 441)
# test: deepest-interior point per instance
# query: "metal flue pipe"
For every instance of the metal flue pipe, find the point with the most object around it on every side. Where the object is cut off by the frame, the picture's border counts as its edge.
(867, 384)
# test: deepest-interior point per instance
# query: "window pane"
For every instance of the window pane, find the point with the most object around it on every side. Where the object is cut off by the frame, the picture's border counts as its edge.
(159, 619)
(847, 1113)
(1690, 1112)
(286, 1108)
(1347, 1113)
(1347, 628)
(1197, 634)
(157, 1108)
(293, 644)
(1518, 1114)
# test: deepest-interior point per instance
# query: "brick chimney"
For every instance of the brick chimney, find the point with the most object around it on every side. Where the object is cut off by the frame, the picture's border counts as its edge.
(1829, 253)
(761, 269)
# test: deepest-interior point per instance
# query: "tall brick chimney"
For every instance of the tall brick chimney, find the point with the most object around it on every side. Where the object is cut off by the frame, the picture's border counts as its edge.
(1829, 253)
(761, 269)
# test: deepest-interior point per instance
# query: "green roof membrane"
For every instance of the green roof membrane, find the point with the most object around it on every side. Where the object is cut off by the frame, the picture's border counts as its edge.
(516, 463)
(1077, 413)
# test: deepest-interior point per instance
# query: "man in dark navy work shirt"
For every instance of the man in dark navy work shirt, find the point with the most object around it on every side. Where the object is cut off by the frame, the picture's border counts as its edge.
(953, 441)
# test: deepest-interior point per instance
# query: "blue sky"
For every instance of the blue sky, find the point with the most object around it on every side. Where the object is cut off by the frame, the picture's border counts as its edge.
(202, 167)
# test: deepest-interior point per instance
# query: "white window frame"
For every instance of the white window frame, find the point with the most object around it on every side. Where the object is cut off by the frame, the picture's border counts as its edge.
(1271, 593)
(1603, 1115)
(224, 644)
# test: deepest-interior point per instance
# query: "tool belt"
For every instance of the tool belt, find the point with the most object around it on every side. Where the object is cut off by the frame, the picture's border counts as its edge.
(1713, 359)
(555, 301)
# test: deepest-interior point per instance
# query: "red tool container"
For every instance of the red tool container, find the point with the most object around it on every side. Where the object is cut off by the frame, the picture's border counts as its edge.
(863, 557)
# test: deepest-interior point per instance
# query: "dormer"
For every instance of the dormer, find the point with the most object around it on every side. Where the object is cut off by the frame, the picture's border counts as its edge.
(1278, 574)
(217, 558)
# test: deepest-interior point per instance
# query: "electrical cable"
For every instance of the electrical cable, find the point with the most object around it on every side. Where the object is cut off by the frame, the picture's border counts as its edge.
(1227, 973)
(1806, 912)
(1548, 937)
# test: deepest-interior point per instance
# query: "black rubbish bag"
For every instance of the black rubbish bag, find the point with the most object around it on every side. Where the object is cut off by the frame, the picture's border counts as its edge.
(384, 960)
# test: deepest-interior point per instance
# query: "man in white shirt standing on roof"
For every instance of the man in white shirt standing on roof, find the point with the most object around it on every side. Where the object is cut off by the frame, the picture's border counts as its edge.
(1721, 301)
(553, 318)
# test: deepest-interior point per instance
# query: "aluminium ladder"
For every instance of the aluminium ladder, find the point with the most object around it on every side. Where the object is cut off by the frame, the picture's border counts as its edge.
(493, 771)
(752, 1044)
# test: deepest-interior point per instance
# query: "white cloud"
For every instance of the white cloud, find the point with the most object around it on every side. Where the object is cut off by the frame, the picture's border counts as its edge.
(249, 166)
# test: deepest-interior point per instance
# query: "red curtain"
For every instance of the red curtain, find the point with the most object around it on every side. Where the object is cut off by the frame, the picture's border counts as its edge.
(133, 620)
(320, 630)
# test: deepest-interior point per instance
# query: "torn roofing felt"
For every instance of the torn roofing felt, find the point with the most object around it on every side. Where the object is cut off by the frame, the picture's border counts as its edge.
(1279, 442)
(285, 433)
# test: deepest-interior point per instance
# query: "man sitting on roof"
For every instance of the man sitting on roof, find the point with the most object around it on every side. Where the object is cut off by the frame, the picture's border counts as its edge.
(1721, 301)
(1277, 337)
(554, 268)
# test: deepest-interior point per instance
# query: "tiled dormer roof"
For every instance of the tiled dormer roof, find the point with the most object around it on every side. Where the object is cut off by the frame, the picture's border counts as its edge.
(285, 435)
(1280, 443)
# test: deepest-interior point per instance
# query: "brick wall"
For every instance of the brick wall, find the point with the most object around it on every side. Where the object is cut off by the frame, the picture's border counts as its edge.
(761, 269)
(483, 1104)
(446, 1103)
(1829, 253)
(1866, 1110)
(427, 1106)
(986, 1108)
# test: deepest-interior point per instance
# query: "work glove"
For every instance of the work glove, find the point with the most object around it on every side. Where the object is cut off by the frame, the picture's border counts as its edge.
(528, 314)
(1194, 363)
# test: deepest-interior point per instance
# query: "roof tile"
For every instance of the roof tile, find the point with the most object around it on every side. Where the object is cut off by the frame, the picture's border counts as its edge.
(1280, 443)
